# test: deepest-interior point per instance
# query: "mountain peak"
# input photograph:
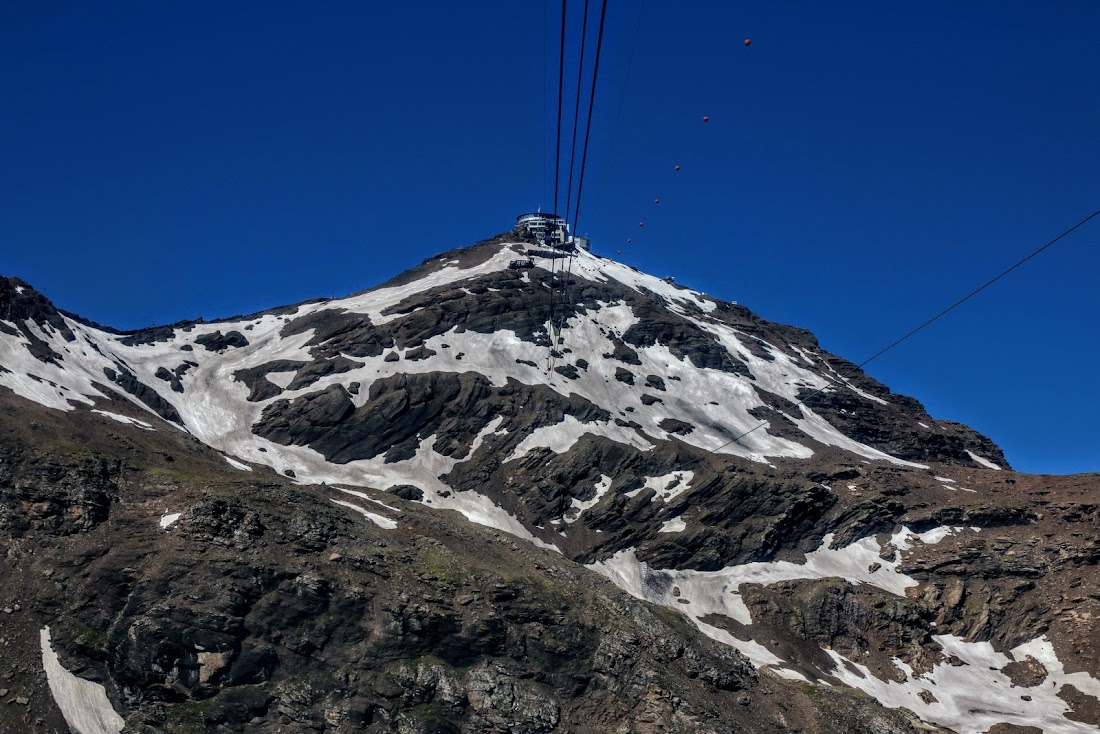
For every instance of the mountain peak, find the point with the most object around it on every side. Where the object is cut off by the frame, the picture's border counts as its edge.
(691, 452)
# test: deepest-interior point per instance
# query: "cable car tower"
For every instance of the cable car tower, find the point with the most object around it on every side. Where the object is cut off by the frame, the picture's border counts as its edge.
(560, 246)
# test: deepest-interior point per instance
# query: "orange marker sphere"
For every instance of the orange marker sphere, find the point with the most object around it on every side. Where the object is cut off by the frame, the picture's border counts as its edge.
(748, 41)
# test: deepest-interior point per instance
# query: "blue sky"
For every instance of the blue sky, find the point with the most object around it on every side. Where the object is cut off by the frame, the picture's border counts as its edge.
(864, 165)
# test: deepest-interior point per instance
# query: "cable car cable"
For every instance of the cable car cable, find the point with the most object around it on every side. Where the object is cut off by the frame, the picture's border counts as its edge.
(591, 105)
(561, 79)
(576, 113)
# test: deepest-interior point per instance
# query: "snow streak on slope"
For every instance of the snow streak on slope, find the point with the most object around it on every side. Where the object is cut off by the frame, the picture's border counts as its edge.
(382, 522)
(83, 703)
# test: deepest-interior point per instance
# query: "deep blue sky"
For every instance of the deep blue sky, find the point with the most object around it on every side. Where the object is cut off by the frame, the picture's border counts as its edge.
(866, 163)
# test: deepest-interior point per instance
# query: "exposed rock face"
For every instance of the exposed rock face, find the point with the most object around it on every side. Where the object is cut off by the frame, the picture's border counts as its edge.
(125, 379)
(765, 510)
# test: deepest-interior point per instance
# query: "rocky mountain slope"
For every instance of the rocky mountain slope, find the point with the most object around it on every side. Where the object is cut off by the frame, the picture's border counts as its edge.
(242, 525)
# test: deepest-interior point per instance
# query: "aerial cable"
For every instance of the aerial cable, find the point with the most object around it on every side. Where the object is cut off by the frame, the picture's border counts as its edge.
(576, 114)
(587, 134)
(568, 271)
(591, 105)
(896, 342)
(557, 167)
(561, 79)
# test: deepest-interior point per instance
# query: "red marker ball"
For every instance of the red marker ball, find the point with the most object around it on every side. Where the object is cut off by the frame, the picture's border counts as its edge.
(656, 201)
(677, 168)
(748, 41)
(706, 119)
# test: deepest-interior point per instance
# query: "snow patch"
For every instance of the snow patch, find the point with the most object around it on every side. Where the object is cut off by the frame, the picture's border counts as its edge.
(667, 486)
(984, 462)
(561, 437)
(125, 419)
(282, 379)
(382, 522)
(577, 507)
(83, 703)
(167, 520)
(237, 465)
(675, 525)
(368, 498)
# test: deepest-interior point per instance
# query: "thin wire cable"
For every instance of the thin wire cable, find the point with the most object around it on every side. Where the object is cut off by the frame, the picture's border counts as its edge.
(591, 106)
(561, 79)
(901, 339)
(545, 100)
(576, 113)
(557, 167)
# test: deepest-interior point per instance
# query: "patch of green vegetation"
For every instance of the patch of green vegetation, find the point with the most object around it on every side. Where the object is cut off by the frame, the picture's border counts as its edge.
(187, 717)
(194, 472)
(442, 564)
(93, 637)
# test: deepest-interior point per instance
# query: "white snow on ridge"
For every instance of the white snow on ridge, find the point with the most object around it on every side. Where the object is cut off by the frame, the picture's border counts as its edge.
(972, 697)
(374, 302)
(984, 462)
(602, 270)
(167, 520)
(83, 703)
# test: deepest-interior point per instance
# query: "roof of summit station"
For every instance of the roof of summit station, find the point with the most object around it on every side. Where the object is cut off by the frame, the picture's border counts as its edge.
(536, 215)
